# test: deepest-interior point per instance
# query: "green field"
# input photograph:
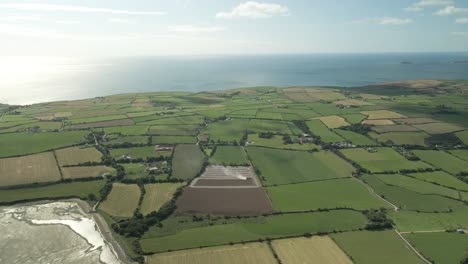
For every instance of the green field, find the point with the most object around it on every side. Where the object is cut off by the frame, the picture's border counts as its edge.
(228, 130)
(96, 119)
(187, 162)
(354, 118)
(126, 130)
(87, 172)
(134, 170)
(441, 247)
(277, 141)
(370, 247)
(410, 200)
(341, 193)
(418, 221)
(156, 195)
(419, 186)
(382, 159)
(36, 126)
(286, 166)
(122, 200)
(439, 128)
(29, 143)
(460, 153)
(401, 138)
(138, 152)
(117, 140)
(173, 130)
(77, 155)
(442, 178)
(178, 120)
(229, 155)
(275, 226)
(355, 138)
(63, 190)
(463, 136)
(443, 160)
(277, 127)
(319, 129)
(173, 140)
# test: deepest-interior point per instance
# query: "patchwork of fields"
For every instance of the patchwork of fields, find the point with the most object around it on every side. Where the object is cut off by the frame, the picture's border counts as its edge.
(255, 175)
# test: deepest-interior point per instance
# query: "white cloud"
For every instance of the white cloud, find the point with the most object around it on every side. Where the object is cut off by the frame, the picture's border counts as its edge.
(394, 21)
(72, 8)
(195, 29)
(34, 18)
(460, 33)
(419, 6)
(121, 21)
(13, 30)
(17, 18)
(254, 9)
(384, 21)
(463, 20)
(451, 10)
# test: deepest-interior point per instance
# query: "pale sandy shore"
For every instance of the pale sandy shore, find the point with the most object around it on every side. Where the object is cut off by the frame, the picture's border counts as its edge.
(101, 224)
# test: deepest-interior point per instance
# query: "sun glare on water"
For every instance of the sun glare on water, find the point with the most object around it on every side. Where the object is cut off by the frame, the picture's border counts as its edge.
(35, 79)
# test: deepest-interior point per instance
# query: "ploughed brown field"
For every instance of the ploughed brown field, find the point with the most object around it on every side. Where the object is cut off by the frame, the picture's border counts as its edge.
(224, 201)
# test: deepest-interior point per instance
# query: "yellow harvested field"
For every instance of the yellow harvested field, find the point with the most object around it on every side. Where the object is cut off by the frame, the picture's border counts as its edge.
(372, 96)
(77, 155)
(141, 103)
(334, 121)
(352, 102)
(44, 116)
(416, 84)
(122, 200)
(86, 171)
(156, 195)
(317, 249)
(62, 114)
(378, 122)
(257, 253)
(29, 169)
(382, 114)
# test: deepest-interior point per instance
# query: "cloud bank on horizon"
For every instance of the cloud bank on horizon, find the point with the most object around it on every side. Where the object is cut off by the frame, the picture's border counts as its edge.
(122, 27)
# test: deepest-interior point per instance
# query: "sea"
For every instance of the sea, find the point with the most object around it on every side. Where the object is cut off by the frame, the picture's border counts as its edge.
(28, 80)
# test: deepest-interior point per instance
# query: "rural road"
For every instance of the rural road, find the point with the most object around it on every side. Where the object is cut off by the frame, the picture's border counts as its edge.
(395, 208)
(412, 248)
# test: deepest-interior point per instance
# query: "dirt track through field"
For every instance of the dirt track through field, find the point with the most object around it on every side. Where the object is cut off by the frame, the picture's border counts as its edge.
(412, 248)
(395, 208)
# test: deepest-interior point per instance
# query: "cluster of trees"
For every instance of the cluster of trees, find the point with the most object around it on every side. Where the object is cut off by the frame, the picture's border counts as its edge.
(139, 224)
(265, 135)
(443, 109)
(378, 220)
(358, 128)
(301, 124)
(287, 139)
(444, 140)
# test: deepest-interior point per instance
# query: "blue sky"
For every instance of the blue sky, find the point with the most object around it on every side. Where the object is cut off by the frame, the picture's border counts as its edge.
(155, 27)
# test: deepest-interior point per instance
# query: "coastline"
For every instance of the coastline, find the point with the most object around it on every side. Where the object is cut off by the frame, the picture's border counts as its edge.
(101, 225)
(105, 230)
